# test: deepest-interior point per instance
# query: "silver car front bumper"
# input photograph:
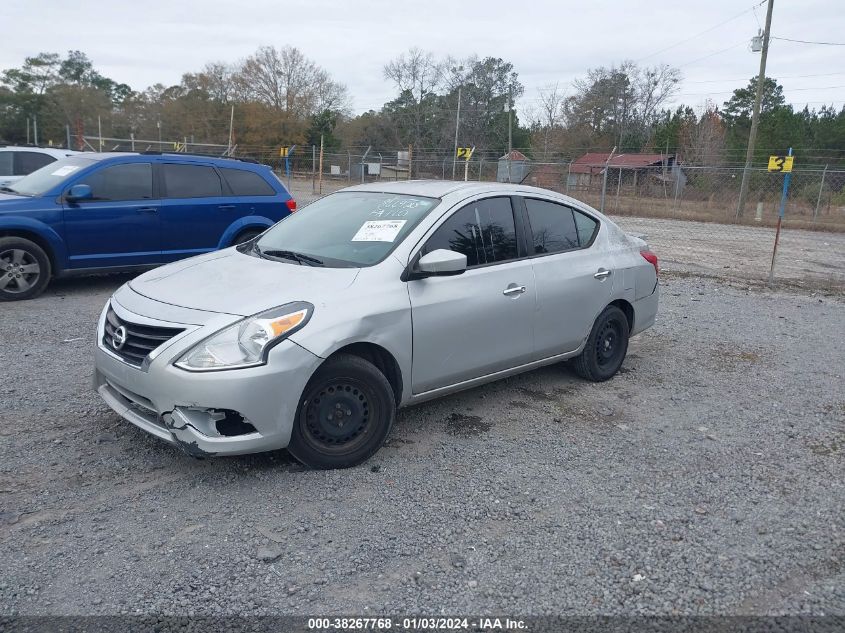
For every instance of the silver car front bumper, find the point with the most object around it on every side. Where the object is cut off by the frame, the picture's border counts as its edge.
(182, 407)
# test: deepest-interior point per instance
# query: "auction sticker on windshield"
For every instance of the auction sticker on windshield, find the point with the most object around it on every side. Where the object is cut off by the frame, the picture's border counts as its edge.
(379, 231)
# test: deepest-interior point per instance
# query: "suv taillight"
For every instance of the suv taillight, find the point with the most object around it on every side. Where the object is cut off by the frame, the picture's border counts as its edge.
(291, 205)
(651, 258)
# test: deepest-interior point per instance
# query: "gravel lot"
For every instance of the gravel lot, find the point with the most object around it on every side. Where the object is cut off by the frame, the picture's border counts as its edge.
(707, 478)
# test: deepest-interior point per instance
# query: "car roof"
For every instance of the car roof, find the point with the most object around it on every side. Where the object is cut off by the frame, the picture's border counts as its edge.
(442, 188)
(220, 161)
(51, 151)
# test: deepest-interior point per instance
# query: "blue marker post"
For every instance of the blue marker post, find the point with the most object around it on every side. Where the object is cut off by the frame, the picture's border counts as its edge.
(781, 213)
(287, 163)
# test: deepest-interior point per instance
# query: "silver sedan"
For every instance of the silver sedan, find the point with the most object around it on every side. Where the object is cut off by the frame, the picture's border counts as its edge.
(378, 296)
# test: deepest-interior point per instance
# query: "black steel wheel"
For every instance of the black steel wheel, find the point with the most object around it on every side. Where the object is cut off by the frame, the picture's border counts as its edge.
(345, 414)
(24, 269)
(606, 346)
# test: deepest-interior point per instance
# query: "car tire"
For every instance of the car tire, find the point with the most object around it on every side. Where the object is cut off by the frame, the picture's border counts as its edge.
(606, 346)
(344, 416)
(24, 269)
(246, 236)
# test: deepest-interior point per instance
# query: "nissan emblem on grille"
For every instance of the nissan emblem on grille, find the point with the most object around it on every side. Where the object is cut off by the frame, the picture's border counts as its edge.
(119, 338)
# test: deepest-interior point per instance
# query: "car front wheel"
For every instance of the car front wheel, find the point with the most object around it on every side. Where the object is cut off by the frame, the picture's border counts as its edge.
(606, 346)
(344, 416)
(24, 269)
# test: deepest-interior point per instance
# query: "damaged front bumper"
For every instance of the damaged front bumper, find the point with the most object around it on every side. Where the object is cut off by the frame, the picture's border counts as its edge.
(231, 412)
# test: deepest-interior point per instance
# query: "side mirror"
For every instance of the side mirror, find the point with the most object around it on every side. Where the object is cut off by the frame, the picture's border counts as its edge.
(79, 192)
(442, 262)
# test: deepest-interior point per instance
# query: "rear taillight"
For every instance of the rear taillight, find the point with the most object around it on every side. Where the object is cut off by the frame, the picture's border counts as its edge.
(291, 205)
(651, 258)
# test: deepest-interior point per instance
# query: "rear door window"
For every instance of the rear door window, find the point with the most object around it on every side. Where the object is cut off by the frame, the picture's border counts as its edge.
(484, 231)
(191, 181)
(553, 227)
(132, 181)
(6, 160)
(246, 183)
(28, 162)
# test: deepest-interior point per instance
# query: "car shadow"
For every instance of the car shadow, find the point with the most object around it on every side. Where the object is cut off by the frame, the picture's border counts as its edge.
(73, 286)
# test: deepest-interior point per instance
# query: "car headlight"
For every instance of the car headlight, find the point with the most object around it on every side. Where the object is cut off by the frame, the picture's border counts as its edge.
(246, 343)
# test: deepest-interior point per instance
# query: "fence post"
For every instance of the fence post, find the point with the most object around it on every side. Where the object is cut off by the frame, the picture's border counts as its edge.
(321, 165)
(604, 177)
(480, 168)
(568, 172)
(677, 189)
(313, 168)
(819, 199)
(348, 166)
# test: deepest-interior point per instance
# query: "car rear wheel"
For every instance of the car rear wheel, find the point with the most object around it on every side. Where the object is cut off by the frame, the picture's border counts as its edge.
(606, 346)
(345, 415)
(24, 269)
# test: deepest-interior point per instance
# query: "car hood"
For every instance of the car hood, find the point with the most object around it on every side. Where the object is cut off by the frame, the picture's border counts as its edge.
(234, 283)
(9, 199)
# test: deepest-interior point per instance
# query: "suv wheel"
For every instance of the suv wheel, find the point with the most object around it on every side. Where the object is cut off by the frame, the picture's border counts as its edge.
(24, 269)
(346, 413)
(246, 236)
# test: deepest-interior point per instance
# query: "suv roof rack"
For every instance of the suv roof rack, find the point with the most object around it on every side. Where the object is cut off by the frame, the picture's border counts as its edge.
(243, 159)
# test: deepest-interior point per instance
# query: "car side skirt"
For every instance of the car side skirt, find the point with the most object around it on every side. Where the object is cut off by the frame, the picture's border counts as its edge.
(482, 380)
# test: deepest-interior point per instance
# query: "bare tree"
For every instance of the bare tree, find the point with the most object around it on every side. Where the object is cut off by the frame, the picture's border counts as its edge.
(703, 143)
(619, 105)
(288, 82)
(548, 115)
(417, 75)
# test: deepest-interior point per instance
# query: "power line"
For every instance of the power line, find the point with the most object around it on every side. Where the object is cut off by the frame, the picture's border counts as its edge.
(712, 28)
(786, 39)
(724, 50)
(713, 81)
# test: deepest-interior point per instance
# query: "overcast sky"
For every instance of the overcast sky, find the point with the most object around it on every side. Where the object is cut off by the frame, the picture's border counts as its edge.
(142, 42)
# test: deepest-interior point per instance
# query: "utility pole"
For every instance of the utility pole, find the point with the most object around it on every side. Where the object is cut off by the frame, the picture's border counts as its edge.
(457, 125)
(755, 115)
(510, 133)
(35, 128)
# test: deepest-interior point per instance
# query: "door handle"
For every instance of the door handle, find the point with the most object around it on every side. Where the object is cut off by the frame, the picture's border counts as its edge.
(147, 210)
(602, 274)
(226, 207)
(513, 290)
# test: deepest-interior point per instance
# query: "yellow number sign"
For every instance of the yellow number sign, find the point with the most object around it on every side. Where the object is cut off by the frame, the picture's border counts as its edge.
(781, 163)
(464, 152)
(283, 152)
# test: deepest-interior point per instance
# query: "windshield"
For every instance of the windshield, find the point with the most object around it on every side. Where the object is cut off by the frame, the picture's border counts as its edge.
(44, 179)
(352, 228)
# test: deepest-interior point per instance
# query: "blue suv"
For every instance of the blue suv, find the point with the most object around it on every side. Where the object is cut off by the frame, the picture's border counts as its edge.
(112, 212)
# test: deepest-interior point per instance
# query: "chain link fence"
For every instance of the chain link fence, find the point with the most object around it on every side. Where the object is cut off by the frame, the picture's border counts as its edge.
(688, 214)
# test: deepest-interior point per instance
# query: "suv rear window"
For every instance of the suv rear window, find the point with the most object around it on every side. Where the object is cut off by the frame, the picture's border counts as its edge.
(246, 183)
(191, 181)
